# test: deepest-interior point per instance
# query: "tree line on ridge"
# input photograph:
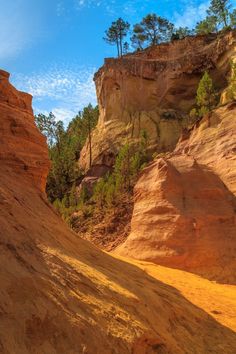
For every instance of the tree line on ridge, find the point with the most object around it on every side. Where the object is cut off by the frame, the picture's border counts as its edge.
(154, 29)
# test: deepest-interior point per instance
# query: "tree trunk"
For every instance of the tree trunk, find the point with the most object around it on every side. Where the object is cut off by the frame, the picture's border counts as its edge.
(90, 144)
(121, 51)
(118, 49)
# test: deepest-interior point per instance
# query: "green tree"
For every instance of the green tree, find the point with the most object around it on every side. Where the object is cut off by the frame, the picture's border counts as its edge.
(233, 19)
(90, 119)
(182, 32)
(152, 30)
(206, 96)
(122, 171)
(73, 200)
(138, 38)
(231, 90)
(206, 26)
(49, 127)
(100, 192)
(81, 126)
(125, 48)
(220, 10)
(64, 149)
(116, 33)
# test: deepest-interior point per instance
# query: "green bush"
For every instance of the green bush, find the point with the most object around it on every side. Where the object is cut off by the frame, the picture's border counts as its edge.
(231, 90)
(206, 98)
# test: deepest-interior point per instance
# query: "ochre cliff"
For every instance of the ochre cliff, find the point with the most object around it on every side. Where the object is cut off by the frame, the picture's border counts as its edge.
(60, 294)
(185, 203)
(26, 153)
(154, 90)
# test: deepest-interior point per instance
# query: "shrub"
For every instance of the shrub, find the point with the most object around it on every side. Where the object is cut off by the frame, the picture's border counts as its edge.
(231, 90)
(206, 98)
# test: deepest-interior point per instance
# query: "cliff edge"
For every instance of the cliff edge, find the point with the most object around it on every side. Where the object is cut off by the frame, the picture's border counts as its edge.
(154, 90)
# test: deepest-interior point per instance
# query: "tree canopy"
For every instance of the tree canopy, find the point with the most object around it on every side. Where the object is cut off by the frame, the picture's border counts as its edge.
(208, 25)
(152, 30)
(220, 10)
(116, 33)
(64, 148)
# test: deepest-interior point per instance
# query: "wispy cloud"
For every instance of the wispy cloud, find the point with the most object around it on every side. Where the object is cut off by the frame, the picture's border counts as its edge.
(63, 89)
(82, 3)
(115, 7)
(191, 10)
(191, 13)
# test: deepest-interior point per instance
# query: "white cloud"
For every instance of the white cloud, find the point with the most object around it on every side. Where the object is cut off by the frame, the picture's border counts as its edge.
(88, 3)
(191, 14)
(63, 90)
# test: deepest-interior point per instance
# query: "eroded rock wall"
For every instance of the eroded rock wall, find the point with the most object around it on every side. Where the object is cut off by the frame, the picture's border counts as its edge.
(22, 148)
(185, 204)
(154, 90)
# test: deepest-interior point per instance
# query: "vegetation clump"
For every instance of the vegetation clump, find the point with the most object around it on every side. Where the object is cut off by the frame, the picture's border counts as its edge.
(206, 98)
(110, 191)
(115, 35)
(231, 89)
(64, 150)
(65, 176)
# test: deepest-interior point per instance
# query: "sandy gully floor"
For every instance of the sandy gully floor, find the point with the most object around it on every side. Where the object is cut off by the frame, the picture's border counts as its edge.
(219, 300)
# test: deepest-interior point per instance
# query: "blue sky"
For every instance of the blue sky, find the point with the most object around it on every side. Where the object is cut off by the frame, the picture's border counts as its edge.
(53, 47)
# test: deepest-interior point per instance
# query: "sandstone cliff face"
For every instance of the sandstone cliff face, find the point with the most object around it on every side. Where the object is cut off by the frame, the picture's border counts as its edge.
(185, 204)
(153, 90)
(26, 152)
(59, 294)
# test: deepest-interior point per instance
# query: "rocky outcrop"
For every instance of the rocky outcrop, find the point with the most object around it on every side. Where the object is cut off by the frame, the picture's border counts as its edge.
(153, 90)
(26, 152)
(213, 143)
(185, 204)
(60, 294)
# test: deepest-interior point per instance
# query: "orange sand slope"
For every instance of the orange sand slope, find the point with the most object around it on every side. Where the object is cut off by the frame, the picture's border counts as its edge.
(218, 300)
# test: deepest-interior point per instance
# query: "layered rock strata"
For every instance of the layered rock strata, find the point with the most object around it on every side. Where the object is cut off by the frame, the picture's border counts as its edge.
(154, 90)
(185, 203)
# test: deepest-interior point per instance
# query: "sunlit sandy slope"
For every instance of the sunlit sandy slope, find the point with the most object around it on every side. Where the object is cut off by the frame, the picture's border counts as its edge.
(59, 294)
(218, 300)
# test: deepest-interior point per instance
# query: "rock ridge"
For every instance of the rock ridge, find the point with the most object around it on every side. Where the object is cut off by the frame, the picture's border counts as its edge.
(22, 147)
(185, 203)
(154, 90)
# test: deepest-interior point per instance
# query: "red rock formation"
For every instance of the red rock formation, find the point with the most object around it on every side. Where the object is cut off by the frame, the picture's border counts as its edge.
(22, 148)
(59, 294)
(153, 90)
(185, 207)
(213, 144)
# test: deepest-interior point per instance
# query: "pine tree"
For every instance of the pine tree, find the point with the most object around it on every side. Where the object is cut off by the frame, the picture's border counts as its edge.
(206, 96)
(220, 10)
(100, 192)
(116, 33)
(152, 30)
(138, 38)
(233, 19)
(231, 90)
(182, 32)
(72, 197)
(208, 25)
